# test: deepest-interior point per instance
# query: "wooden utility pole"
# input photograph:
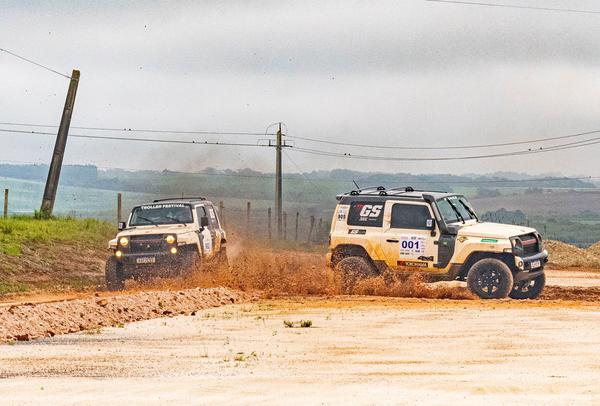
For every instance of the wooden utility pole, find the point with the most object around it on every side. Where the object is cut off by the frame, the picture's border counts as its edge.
(269, 222)
(222, 212)
(285, 225)
(248, 220)
(119, 207)
(297, 221)
(278, 183)
(59, 148)
(5, 203)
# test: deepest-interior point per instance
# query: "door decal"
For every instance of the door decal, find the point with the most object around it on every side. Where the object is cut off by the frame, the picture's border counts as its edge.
(412, 245)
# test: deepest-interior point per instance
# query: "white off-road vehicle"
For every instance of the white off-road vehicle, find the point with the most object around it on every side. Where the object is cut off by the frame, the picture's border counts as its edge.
(168, 237)
(439, 233)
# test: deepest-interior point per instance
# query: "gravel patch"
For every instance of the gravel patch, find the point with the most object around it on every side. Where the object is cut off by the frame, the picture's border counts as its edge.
(28, 321)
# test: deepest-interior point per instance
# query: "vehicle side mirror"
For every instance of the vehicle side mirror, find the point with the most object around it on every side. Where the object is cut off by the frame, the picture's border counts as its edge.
(122, 225)
(430, 225)
(203, 221)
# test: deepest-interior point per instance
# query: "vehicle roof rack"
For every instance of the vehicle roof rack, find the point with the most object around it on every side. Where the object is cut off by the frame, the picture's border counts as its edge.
(382, 191)
(179, 198)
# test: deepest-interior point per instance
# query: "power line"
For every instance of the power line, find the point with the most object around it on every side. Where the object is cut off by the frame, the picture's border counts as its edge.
(474, 3)
(156, 140)
(133, 130)
(303, 175)
(577, 144)
(35, 63)
(504, 144)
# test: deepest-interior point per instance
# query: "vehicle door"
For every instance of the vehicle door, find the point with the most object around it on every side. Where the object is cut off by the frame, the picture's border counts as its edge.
(409, 237)
(215, 226)
(201, 211)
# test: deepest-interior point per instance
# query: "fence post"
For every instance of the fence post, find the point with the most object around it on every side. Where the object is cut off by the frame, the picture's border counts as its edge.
(297, 220)
(247, 219)
(5, 203)
(269, 222)
(119, 208)
(222, 212)
(284, 225)
(312, 226)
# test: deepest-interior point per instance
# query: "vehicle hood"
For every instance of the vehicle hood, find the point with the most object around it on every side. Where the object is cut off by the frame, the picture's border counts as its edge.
(493, 230)
(163, 229)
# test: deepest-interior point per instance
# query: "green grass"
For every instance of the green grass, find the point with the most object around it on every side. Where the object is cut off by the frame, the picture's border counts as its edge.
(15, 232)
(12, 287)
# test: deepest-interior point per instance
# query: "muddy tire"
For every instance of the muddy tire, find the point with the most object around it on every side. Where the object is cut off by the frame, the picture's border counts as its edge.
(530, 289)
(190, 263)
(490, 278)
(222, 261)
(352, 270)
(114, 279)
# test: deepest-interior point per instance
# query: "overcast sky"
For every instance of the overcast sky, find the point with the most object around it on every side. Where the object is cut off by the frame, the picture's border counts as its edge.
(409, 72)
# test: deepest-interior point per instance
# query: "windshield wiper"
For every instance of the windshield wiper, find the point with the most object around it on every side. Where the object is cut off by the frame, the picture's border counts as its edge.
(148, 220)
(456, 211)
(471, 212)
(177, 220)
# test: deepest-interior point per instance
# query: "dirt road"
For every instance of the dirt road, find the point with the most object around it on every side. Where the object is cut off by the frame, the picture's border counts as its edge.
(365, 351)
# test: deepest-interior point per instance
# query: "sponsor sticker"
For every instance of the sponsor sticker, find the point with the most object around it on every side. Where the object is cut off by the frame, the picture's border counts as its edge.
(492, 240)
(161, 206)
(341, 214)
(413, 264)
(412, 245)
(356, 231)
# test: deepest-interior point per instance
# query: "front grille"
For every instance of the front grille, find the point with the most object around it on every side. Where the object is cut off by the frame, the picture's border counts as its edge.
(147, 243)
(530, 243)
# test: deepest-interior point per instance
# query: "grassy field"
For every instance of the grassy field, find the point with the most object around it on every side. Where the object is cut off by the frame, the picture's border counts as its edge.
(39, 253)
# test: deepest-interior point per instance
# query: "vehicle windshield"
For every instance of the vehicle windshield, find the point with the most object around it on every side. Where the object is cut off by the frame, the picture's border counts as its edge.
(156, 214)
(456, 209)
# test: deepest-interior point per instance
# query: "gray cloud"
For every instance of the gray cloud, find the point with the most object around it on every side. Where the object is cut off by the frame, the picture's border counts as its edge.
(410, 72)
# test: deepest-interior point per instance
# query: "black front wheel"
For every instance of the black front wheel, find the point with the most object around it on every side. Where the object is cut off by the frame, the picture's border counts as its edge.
(490, 278)
(114, 277)
(529, 289)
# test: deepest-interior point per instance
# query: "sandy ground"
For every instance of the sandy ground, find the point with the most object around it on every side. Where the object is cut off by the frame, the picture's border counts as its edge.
(359, 351)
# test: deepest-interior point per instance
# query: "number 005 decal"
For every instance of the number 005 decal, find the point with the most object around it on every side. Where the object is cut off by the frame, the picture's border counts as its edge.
(412, 245)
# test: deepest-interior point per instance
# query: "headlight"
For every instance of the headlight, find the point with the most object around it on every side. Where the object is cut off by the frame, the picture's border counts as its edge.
(118, 254)
(123, 241)
(170, 239)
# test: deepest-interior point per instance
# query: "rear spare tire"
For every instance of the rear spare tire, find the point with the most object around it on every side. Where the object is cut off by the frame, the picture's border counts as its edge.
(353, 269)
(114, 278)
(529, 289)
(490, 278)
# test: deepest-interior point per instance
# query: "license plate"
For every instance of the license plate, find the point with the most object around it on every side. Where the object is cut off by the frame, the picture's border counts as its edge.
(535, 264)
(146, 260)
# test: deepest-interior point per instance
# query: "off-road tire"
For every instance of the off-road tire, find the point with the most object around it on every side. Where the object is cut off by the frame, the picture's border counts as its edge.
(222, 260)
(114, 281)
(352, 270)
(490, 278)
(189, 263)
(529, 289)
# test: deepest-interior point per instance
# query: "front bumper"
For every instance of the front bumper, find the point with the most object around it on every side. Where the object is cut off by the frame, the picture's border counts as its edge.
(527, 268)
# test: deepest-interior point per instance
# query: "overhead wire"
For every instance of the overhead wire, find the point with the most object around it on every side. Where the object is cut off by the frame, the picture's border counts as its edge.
(503, 144)
(504, 5)
(35, 63)
(133, 130)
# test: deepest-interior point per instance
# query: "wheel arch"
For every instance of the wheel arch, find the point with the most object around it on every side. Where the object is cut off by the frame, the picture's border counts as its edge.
(348, 250)
(475, 256)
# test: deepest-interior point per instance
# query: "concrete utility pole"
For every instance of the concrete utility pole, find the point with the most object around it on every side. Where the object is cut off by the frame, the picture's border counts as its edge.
(59, 148)
(278, 183)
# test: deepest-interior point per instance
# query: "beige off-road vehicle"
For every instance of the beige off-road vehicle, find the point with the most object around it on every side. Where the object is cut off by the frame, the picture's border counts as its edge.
(168, 237)
(438, 233)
